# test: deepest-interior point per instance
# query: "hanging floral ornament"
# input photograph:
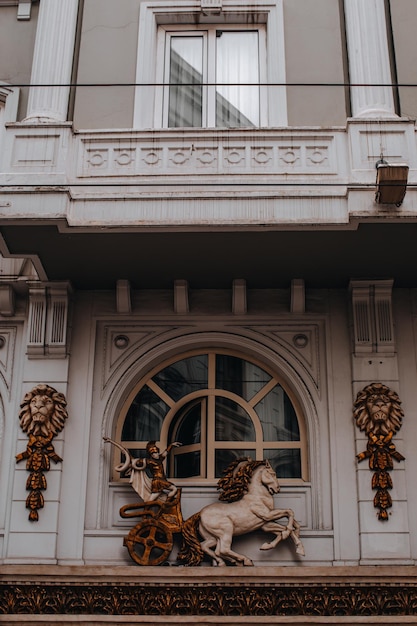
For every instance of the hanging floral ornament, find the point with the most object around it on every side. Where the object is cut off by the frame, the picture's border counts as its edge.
(378, 412)
(42, 417)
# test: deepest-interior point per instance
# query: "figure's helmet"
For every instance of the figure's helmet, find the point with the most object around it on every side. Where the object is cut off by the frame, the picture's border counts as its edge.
(151, 447)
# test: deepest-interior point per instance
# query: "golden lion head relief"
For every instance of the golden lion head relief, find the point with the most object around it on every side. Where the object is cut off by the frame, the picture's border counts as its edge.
(377, 409)
(43, 411)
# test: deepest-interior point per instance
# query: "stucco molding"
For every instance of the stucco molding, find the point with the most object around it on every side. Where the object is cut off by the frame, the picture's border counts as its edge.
(268, 592)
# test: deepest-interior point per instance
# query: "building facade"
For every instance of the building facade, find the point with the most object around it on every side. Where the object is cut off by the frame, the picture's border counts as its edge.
(205, 238)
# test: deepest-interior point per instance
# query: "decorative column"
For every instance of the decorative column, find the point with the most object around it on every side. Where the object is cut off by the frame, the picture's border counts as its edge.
(52, 61)
(369, 62)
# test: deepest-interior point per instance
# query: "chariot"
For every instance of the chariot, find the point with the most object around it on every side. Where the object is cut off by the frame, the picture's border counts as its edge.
(151, 540)
(246, 504)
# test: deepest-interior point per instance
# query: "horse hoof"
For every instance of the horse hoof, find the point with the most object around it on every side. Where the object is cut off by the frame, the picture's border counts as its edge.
(265, 546)
(300, 551)
(247, 562)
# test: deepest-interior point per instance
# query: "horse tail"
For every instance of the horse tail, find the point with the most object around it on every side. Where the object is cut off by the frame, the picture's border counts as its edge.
(190, 552)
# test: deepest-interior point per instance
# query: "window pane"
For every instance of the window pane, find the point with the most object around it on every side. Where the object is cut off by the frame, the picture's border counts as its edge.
(144, 418)
(286, 462)
(237, 65)
(278, 418)
(232, 422)
(187, 464)
(185, 78)
(223, 458)
(238, 376)
(189, 429)
(183, 377)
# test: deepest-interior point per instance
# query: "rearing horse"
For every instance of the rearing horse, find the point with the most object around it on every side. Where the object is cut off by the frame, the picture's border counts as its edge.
(248, 489)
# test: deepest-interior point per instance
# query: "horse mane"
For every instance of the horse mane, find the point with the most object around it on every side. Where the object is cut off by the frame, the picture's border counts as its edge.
(236, 479)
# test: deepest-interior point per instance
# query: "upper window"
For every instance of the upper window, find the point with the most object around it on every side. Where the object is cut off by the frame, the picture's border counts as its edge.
(220, 407)
(212, 76)
(194, 73)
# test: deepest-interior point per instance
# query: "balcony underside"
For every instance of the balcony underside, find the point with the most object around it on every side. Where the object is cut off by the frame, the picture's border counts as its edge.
(212, 260)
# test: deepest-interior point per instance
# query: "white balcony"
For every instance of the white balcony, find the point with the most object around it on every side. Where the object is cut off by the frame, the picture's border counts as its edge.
(197, 177)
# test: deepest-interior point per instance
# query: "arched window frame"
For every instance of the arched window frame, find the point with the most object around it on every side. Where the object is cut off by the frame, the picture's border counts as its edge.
(210, 394)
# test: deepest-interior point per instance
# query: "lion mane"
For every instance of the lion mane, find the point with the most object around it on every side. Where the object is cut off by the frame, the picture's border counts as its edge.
(55, 422)
(370, 395)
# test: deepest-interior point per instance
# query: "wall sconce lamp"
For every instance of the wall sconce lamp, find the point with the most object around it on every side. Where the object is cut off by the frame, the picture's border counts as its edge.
(391, 182)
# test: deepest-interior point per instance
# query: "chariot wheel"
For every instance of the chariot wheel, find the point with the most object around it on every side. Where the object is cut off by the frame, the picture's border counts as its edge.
(149, 543)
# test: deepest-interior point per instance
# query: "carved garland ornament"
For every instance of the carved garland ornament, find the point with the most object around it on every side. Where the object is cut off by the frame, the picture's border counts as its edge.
(331, 599)
(42, 417)
(378, 412)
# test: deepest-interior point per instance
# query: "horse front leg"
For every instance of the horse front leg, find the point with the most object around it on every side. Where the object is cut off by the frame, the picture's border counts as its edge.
(276, 514)
(281, 532)
(277, 530)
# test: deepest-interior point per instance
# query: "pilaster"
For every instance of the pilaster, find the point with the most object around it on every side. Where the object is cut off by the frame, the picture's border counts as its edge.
(52, 61)
(369, 62)
(374, 360)
(46, 364)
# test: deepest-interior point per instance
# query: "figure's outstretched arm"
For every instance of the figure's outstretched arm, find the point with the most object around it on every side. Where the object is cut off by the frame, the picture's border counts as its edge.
(121, 467)
(176, 444)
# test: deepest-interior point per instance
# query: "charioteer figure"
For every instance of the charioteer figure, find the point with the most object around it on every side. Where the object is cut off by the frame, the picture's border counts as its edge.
(149, 489)
(155, 463)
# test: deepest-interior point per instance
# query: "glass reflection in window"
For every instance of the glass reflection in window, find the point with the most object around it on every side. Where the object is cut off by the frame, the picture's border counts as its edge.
(187, 464)
(232, 422)
(189, 428)
(237, 78)
(278, 418)
(212, 78)
(223, 458)
(285, 461)
(183, 377)
(185, 78)
(145, 416)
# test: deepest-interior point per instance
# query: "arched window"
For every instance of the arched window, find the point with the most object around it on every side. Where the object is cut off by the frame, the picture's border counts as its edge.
(220, 406)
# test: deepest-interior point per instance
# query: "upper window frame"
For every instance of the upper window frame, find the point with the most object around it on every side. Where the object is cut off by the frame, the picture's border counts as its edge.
(154, 14)
(165, 32)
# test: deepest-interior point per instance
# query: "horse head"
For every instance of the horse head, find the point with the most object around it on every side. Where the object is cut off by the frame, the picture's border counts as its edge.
(269, 479)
